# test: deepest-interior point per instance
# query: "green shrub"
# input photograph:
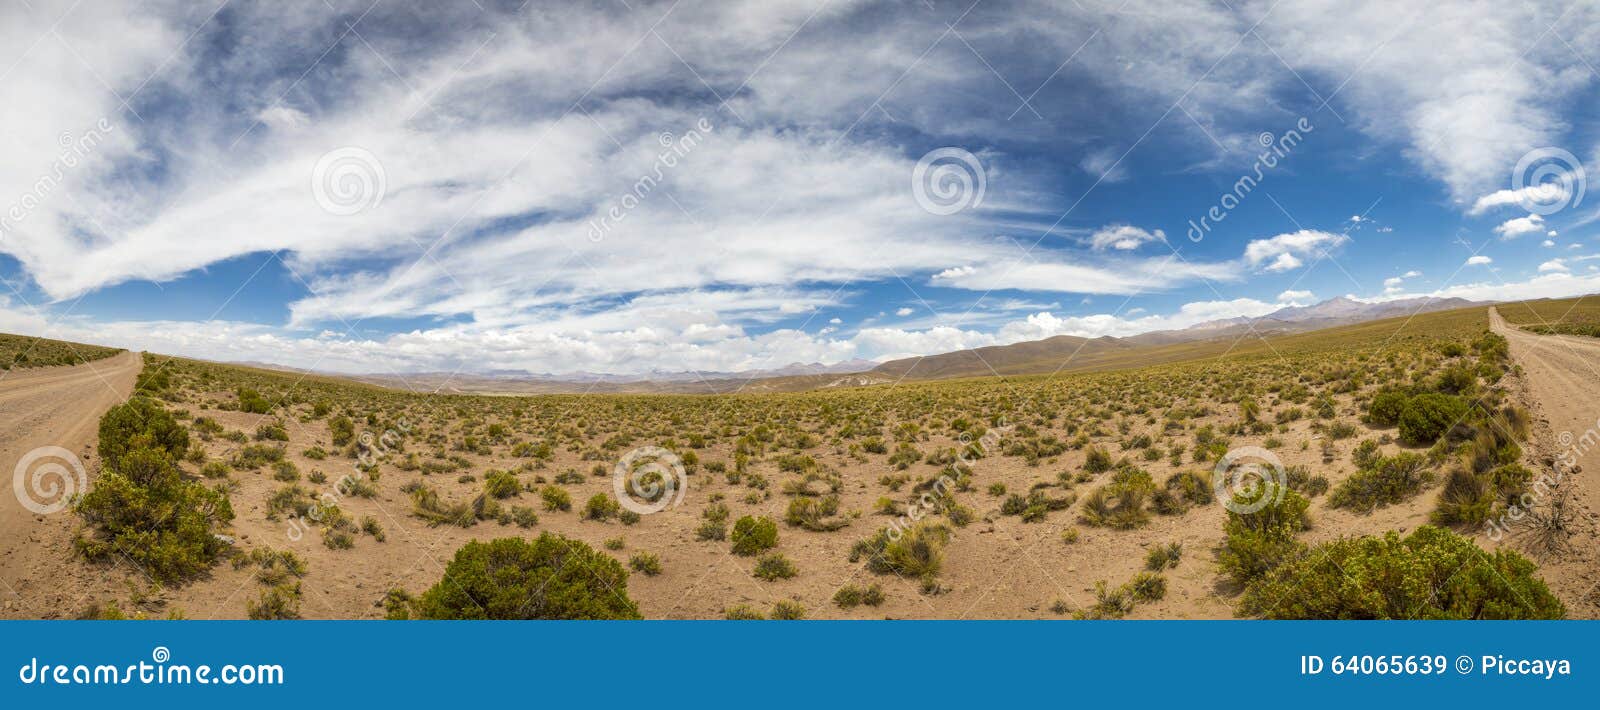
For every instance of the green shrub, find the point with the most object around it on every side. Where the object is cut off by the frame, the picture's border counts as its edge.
(753, 535)
(1385, 407)
(1389, 480)
(140, 423)
(555, 498)
(341, 430)
(787, 610)
(501, 484)
(742, 612)
(646, 562)
(1120, 503)
(278, 602)
(1471, 499)
(774, 566)
(1428, 417)
(850, 596)
(601, 507)
(141, 507)
(1258, 541)
(252, 402)
(426, 504)
(524, 516)
(370, 526)
(1097, 460)
(917, 551)
(1430, 574)
(552, 577)
(711, 530)
(1163, 557)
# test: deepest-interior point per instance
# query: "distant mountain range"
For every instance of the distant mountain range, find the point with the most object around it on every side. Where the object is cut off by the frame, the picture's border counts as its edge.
(1342, 311)
(1057, 353)
(1032, 357)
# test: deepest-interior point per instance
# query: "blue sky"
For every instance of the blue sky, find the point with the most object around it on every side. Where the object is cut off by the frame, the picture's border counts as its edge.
(630, 187)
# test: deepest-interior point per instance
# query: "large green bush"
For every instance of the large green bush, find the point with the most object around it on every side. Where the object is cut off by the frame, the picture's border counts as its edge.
(1431, 574)
(140, 422)
(1259, 540)
(1427, 417)
(142, 508)
(553, 577)
(1385, 407)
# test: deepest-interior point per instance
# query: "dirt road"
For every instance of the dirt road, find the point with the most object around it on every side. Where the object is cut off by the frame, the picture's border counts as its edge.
(1562, 376)
(39, 409)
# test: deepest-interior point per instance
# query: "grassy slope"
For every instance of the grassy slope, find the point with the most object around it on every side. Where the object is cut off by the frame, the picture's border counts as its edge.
(1572, 316)
(21, 351)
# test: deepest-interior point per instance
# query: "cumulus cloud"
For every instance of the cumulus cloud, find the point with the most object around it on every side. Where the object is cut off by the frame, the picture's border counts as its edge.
(1298, 297)
(1284, 251)
(1124, 237)
(1479, 260)
(1542, 193)
(1396, 284)
(1513, 228)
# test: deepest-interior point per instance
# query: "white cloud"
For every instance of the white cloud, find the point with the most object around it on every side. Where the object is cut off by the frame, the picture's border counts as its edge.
(1513, 228)
(1124, 237)
(1396, 284)
(1283, 252)
(903, 312)
(1547, 243)
(1048, 273)
(1542, 193)
(1553, 265)
(1479, 260)
(1296, 297)
(1284, 262)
